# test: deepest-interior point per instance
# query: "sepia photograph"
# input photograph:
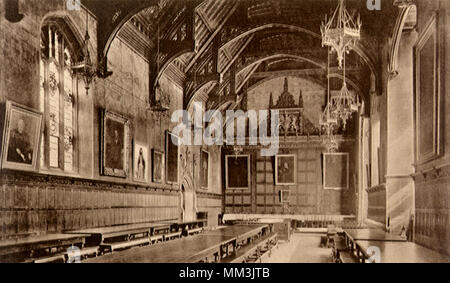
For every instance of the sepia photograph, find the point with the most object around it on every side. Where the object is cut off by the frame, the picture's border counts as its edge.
(274, 132)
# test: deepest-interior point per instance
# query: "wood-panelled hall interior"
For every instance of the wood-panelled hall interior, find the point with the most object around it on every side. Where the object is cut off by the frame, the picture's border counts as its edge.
(231, 131)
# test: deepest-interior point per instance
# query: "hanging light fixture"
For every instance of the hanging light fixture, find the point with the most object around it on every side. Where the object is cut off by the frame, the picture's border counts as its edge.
(341, 32)
(157, 105)
(345, 103)
(86, 68)
(328, 120)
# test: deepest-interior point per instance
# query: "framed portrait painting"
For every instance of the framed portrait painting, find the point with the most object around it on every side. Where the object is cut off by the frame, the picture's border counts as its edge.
(114, 145)
(204, 170)
(157, 166)
(237, 169)
(140, 163)
(284, 196)
(335, 171)
(429, 92)
(21, 137)
(286, 169)
(172, 154)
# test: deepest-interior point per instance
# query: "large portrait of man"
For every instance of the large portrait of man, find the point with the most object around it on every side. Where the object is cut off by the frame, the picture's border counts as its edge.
(237, 172)
(115, 145)
(286, 169)
(204, 170)
(22, 131)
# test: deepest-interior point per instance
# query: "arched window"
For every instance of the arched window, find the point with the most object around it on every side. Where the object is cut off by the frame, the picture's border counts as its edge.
(58, 96)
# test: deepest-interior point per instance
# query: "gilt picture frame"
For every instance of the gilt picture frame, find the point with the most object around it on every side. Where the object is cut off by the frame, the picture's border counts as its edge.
(21, 136)
(237, 172)
(285, 169)
(204, 169)
(172, 158)
(157, 166)
(429, 91)
(335, 171)
(115, 145)
(140, 163)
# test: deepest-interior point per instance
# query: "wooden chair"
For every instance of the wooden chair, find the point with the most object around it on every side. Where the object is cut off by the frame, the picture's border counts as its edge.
(331, 232)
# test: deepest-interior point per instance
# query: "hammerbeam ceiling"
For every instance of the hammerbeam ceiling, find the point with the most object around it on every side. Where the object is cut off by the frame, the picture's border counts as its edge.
(222, 47)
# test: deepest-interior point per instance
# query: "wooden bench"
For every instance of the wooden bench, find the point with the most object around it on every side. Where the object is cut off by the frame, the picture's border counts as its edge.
(65, 257)
(99, 236)
(111, 247)
(156, 239)
(172, 236)
(194, 231)
(37, 246)
(57, 258)
(185, 226)
(253, 251)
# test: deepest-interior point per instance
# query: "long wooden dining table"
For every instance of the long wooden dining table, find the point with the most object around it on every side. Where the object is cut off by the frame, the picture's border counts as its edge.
(205, 247)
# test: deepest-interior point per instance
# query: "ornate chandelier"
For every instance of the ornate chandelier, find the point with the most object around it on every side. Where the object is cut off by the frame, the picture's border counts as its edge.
(341, 32)
(344, 104)
(328, 120)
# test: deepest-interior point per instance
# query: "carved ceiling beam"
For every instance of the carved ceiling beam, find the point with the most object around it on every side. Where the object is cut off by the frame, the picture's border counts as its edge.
(111, 16)
(245, 31)
(247, 77)
(179, 40)
(205, 46)
(302, 72)
(250, 61)
(238, 53)
(204, 71)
